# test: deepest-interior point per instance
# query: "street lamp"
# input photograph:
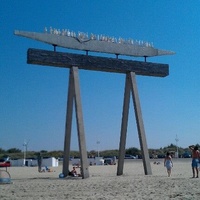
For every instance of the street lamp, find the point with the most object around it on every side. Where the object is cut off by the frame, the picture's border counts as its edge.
(176, 145)
(25, 144)
(98, 142)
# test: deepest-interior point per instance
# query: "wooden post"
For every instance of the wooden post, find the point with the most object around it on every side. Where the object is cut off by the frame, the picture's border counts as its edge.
(80, 125)
(124, 127)
(68, 124)
(140, 125)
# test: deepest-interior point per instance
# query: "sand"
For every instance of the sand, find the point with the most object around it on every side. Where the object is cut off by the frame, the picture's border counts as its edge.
(104, 184)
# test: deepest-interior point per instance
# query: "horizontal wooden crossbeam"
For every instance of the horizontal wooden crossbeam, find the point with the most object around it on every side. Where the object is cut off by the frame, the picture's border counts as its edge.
(67, 60)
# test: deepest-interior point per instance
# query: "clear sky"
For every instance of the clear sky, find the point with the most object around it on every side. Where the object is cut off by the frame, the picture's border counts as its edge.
(33, 98)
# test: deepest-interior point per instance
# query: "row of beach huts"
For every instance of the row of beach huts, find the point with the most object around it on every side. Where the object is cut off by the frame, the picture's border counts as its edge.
(54, 162)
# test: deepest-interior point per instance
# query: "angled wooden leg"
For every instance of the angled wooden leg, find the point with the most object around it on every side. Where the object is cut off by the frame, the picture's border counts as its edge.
(140, 125)
(80, 126)
(68, 124)
(124, 127)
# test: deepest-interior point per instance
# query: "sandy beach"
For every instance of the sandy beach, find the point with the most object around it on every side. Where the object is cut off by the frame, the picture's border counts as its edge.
(103, 183)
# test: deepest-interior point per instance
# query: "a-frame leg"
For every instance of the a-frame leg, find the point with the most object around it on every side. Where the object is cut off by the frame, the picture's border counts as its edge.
(124, 127)
(80, 126)
(74, 92)
(140, 125)
(131, 85)
(68, 124)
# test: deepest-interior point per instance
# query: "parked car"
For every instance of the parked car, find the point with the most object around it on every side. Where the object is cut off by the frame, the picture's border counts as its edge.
(186, 155)
(128, 156)
(161, 156)
(109, 161)
(4, 162)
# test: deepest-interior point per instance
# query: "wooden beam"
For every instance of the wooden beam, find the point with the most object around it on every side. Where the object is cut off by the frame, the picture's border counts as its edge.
(67, 60)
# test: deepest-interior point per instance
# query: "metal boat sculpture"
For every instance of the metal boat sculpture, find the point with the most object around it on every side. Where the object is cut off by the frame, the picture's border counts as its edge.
(93, 44)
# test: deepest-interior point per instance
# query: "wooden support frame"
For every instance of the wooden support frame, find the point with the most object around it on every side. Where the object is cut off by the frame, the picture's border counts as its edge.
(130, 68)
(74, 95)
(140, 124)
(131, 87)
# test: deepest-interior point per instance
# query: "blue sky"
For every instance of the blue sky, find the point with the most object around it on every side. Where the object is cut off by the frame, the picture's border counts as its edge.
(33, 98)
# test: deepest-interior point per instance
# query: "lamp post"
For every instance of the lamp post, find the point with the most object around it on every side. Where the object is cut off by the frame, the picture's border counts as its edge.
(25, 144)
(98, 142)
(176, 145)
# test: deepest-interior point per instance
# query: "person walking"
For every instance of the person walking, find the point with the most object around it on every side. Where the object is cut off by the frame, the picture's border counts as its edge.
(168, 163)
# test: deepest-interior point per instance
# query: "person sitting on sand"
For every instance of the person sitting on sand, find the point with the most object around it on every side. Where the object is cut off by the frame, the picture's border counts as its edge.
(168, 163)
(74, 172)
(195, 160)
(48, 169)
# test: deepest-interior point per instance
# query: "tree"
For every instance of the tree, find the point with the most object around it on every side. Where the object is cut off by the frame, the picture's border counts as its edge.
(92, 153)
(2, 151)
(14, 150)
(133, 151)
(43, 151)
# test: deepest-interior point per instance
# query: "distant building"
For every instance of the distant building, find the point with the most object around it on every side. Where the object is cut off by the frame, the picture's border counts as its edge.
(49, 162)
(91, 161)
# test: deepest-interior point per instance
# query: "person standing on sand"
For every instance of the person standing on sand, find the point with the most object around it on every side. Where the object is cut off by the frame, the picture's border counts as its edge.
(195, 160)
(168, 163)
(39, 159)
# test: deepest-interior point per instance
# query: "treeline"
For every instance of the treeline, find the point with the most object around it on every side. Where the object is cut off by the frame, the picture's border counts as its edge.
(15, 153)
